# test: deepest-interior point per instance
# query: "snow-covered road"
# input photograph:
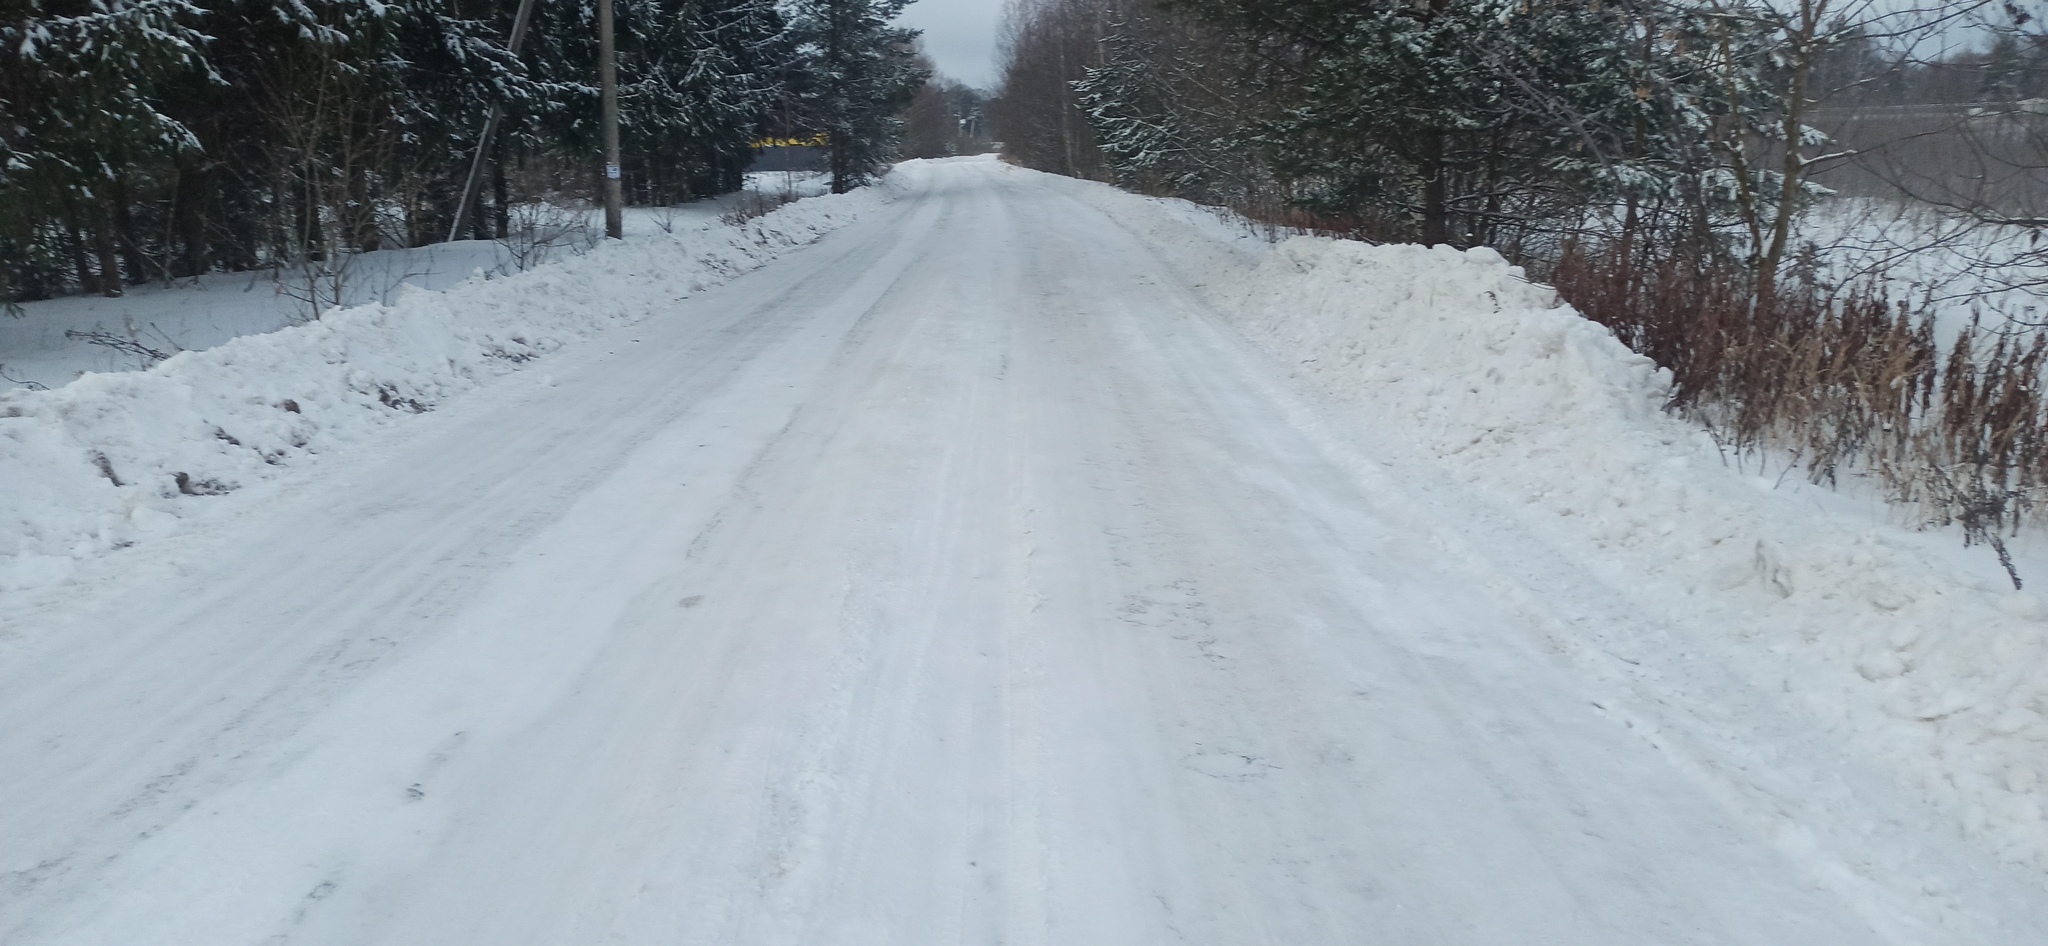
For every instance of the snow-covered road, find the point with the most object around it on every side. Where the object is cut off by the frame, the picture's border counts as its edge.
(960, 579)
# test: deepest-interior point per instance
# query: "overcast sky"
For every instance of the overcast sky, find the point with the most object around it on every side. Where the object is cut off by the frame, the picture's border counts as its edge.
(960, 35)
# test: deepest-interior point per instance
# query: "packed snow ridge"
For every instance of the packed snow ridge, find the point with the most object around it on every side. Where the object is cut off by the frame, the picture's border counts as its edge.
(96, 464)
(1909, 641)
(1897, 639)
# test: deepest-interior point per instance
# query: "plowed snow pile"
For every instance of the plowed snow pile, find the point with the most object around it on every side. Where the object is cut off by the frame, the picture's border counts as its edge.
(1898, 639)
(92, 465)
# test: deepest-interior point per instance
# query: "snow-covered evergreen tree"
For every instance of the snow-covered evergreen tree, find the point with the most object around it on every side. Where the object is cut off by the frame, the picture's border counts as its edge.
(852, 73)
(146, 139)
(1456, 114)
(79, 118)
(697, 78)
(1165, 115)
(1456, 121)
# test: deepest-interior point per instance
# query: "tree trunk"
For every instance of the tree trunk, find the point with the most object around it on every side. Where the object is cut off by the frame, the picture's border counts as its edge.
(310, 239)
(1436, 216)
(415, 218)
(1066, 111)
(608, 83)
(1793, 170)
(501, 207)
(362, 211)
(842, 162)
(103, 242)
(138, 268)
(1626, 255)
(87, 282)
(480, 226)
(188, 216)
(839, 164)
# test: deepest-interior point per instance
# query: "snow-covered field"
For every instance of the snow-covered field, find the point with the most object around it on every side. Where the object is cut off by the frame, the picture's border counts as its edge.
(1013, 560)
(1967, 273)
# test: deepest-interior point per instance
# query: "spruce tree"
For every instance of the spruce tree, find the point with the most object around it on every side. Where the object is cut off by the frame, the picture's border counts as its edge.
(853, 73)
(1459, 118)
(81, 129)
(696, 79)
(1162, 127)
(144, 139)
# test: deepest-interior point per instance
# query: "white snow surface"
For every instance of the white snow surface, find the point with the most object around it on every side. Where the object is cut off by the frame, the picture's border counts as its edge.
(1964, 273)
(1021, 561)
(200, 313)
(94, 464)
(1903, 640)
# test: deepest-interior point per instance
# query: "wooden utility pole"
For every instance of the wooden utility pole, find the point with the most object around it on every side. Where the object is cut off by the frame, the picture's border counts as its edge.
(608, 82)
(836, 121)
(470, 185)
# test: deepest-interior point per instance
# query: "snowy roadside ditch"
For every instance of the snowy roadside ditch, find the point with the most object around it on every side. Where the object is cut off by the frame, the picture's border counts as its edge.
(1899, 640)
(105, 460)
(1904, 639)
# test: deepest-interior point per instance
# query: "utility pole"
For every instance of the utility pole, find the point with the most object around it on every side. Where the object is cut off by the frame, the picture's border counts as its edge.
(470, 185)
(608, 82)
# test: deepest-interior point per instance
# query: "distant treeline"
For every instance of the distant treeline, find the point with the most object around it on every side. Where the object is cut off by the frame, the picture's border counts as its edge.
(158, 139)
(1652, 159)
(1508, 122)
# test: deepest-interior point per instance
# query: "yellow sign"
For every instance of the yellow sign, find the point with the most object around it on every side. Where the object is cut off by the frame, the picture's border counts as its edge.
(818, 140)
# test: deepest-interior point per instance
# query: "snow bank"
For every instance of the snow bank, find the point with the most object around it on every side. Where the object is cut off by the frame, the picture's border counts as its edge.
(200, 313)
(1903, 641)
(1459, 343)
(93, 465)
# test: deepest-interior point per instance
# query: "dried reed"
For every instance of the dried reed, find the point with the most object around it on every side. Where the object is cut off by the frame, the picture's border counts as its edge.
(1844, 381)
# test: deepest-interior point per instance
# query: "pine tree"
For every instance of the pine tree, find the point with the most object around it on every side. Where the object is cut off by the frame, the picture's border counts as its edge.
(80, 128)
(145, 139)
(1162, 115)
(697, 77)
(852, 74)
(1461, 117)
